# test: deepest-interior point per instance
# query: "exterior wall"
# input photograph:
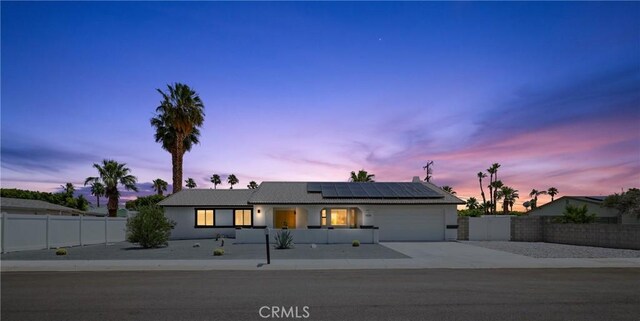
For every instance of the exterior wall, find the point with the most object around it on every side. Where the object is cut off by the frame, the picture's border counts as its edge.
(490, 228)
(185, 219)
(447, 213)
(463, 228)
(527, 228)
(603, 235)
(33, 232)
(317, 236)
(557, 207)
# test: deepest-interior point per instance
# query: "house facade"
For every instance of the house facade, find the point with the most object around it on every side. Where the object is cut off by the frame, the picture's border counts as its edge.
(318, 212)
(594, 205)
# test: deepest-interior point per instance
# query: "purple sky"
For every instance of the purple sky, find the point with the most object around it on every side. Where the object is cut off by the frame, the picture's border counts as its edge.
(312, 91)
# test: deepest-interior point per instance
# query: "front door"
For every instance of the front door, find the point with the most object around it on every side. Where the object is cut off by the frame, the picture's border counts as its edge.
(285, 218)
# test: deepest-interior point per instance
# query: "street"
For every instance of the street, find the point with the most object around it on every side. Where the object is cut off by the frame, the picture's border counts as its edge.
(427, 294)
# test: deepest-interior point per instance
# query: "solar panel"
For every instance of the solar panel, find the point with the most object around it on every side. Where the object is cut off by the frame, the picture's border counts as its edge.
(372, 190)
(329, 190)
(357, 190)
(343, 191)
(314, 187)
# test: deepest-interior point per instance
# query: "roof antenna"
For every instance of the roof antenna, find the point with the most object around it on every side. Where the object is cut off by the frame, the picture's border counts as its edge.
(429, 170)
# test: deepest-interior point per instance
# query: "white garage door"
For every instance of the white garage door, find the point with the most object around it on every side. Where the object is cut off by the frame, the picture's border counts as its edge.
(409, 225)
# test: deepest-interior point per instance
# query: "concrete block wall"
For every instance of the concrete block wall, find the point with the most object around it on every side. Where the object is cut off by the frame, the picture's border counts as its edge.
(527, 228)
(463, 228)
(603, 235)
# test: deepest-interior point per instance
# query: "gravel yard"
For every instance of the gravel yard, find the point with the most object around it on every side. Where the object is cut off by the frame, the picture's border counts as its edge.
(553, 250)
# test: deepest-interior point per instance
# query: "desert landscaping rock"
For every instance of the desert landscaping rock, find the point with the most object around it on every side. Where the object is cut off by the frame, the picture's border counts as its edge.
(554, 250)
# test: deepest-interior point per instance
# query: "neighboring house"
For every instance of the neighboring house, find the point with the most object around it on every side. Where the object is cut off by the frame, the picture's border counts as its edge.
(593, 203)
(122, 212)
(410, 211)
(27, 206)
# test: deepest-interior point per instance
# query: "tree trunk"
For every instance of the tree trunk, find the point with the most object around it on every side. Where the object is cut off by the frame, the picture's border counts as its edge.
(491, 192)
(98, 200)
(484, 199)
(176, 162)
(112, 206)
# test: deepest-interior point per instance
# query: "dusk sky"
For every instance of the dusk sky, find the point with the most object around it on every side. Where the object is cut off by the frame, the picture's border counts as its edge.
(313, 91)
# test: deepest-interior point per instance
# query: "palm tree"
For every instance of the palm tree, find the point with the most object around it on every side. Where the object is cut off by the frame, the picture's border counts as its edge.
(553, 192)
(232, 180)
(493, 170)
(448, 189)
(509, 196)
(526, 205)
(177, 122)
(97, 190)
(215, 179)
(159, 186)
(362, 176)
(190, 183)
(112, 173)
(252, 185)
(535, 193)
(482, 175)
(472, 203)
(68, 189)
(496, 185)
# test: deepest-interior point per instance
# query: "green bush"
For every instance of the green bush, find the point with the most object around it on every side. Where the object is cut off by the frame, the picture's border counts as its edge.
(355, 243)
(476, 212)
(284, 240)
(576, 214)
(150, 228)
(61, 251)
(218, 252)
(140, 202)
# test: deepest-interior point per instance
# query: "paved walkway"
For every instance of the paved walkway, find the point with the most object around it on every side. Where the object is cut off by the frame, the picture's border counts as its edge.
(451, 255)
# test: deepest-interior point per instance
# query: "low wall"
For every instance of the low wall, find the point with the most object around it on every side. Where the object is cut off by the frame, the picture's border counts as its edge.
(595, 234)
(308, 236)
(463, 228)
(20, 232)
(527, 228)
(490, 228)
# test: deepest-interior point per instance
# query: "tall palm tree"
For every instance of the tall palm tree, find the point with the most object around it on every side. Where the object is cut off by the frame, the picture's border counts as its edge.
(362, 176)
(68, 189)
(535, 193)
(493, 170)
(159, 186)
(482, 175)
(526, 205)
(232, 180)
(177, 122)
(97, 190)
(553, 192)
(111, 174)
(448, 189)
(508, 195)
(472, 203)
(215, 179)
(252, 185)
(190, 183)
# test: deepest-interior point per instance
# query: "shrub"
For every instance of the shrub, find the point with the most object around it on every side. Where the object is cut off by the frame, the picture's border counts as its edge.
(150, 228)
(476, 212)
(151, 200)
(355, 243)
(218, 252)
(284, 240)
(575, 214)
(61, 251)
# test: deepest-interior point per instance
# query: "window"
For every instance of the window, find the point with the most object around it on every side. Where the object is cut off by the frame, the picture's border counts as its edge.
(204, 218)
(323, 220)
(338, 217)
(243, 218)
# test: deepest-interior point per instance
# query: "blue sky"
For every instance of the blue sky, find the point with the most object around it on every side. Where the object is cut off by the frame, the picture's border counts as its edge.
(312, 91)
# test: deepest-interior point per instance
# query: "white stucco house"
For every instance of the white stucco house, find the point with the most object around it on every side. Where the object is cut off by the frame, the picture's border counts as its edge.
(317, 212)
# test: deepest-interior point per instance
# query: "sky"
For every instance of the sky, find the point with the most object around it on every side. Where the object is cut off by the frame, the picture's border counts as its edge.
(313, 91)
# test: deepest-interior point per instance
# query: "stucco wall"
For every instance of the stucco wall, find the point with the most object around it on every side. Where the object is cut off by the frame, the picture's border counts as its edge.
(185, 220)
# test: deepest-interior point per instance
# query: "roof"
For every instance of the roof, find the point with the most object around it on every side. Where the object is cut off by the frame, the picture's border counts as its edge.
(27, 204)
(209, 197)
(296, 193)
(590, 199)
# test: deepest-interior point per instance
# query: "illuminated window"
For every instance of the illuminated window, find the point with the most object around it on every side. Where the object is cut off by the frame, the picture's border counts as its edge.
(323, 220)
(243, 218)
(204, 218)
(338, 217)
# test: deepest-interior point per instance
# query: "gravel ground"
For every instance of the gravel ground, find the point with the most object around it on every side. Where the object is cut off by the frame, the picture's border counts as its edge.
(184, 250)
(554, 250)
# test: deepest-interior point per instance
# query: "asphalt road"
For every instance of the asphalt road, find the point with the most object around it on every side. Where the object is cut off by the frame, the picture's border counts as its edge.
(490, 294)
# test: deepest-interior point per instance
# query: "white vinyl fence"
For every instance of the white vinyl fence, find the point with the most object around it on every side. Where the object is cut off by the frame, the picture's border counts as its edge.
(34, 232)
(490, 228)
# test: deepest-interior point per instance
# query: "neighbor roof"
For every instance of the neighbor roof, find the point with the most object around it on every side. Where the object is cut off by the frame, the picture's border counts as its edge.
(590, 199)
(209, 197)
(26, 204)
(296, 193)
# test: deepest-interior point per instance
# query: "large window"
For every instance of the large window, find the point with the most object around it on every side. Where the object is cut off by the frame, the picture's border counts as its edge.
(204, 218)
(243, 218)
(338, 217)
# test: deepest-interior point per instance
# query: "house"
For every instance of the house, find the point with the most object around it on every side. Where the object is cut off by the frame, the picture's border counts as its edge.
(27, 206)
(318, 212)
(594, 205)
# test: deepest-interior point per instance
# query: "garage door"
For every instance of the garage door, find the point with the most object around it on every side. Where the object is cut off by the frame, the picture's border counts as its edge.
(409, 225)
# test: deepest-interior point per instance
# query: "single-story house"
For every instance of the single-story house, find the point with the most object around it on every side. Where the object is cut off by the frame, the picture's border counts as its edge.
(594, 205)
(37, 207)
(317, 212)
